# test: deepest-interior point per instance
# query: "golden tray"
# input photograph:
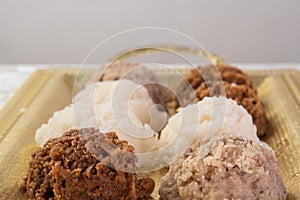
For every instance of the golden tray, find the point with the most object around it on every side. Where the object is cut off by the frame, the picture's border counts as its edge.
(47, 91)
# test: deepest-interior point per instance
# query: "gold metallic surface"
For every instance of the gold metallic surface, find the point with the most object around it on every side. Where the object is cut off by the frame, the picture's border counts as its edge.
(47, 91)
(279, 94)
(42, 94)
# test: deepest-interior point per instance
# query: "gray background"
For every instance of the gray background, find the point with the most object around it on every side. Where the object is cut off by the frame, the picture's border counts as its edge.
(56, 31)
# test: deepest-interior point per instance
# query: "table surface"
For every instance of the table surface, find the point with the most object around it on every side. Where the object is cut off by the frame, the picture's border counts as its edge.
(12, 76)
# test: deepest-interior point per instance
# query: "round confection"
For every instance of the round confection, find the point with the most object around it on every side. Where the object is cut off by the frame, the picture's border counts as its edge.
(113, 106)
(243, 95)
(201, 124)
(210, 72)
(225, 81)
(141, 75)
(85, 164)
(235, 168)
(208, 76)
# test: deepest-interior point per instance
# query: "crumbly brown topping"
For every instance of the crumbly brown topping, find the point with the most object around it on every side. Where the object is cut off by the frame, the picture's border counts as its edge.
(83, 164)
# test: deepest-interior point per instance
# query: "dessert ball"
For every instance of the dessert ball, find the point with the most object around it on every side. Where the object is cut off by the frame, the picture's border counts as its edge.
(234, 168)
(112, 106)
(200, 124)
(243, 95)
(86, 164)
(203, 122)
(141, 75)
(221, 72)
(223, 81)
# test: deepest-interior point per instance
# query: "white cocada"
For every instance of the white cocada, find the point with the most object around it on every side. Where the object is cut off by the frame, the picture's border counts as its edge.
(202, 124)
(112, 106)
